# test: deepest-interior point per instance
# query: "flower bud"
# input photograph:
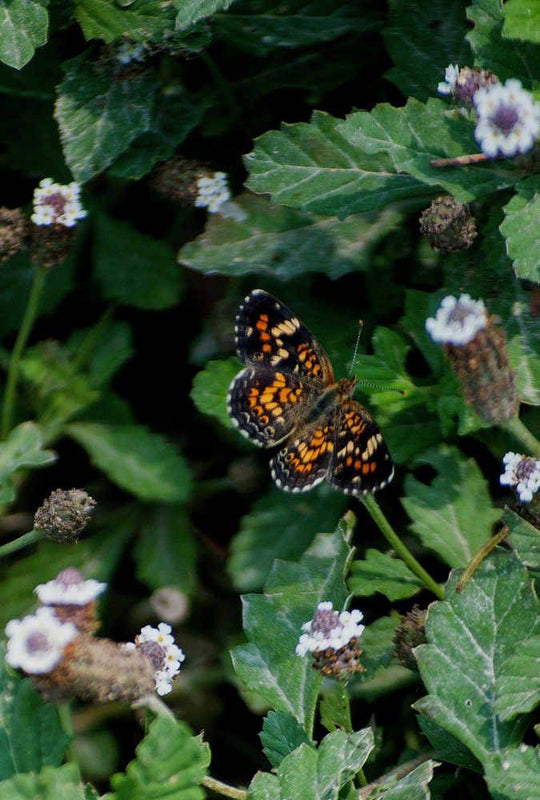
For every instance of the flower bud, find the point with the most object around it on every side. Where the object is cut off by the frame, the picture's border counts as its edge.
(13, 232)
(72, 598)
(479, 356)
(190, 184)
(332, 639)
(157, 645)
(448, 225)
(464, 83)
(64, 514)
(409, 634)
(170, 604)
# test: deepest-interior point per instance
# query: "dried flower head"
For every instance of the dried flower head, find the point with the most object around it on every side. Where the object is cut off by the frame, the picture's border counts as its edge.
(332, 638)
(409, 634)
(158, 645)
(13, 232)
(64, 514)
(36, 643)
(448, 225)
(55, 204)
(457, 320)
(522, 473)
(465, 82)
(170, 604)
(508, 119)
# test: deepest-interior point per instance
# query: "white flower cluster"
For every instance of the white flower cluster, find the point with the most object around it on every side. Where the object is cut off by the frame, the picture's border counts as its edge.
(457, 320)
(36, 643)
(212, 191)
(126, 52)
(522, 473)
(329, 629)
(451, 74)
(173, 656)
(55, 204)
(60, 593)
(508, 119)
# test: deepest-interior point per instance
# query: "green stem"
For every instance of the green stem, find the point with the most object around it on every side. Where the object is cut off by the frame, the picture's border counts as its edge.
(22, 541)
(66, 721)
(406, 556)
(20, 343)
(529, 443)
(479, 556)
(224, 789)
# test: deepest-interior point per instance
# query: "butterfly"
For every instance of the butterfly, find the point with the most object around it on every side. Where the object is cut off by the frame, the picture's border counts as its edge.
(287, 396)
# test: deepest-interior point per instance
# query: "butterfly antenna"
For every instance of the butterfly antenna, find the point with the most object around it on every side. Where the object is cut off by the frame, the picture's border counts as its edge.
(382, 385)
(356, 346)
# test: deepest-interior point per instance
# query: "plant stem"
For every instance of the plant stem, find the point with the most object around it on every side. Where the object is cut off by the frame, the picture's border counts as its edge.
(25, 540)
(223, 788)
(406, 556)
(516, 427)
(479, 556)
(66, 720)
(20, 343)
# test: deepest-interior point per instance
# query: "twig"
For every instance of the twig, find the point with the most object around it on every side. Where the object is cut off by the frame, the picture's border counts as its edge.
(478, 557)
(460, 161)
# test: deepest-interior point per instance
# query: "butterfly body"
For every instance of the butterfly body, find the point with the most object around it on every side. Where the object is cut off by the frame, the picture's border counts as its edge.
(287, 395)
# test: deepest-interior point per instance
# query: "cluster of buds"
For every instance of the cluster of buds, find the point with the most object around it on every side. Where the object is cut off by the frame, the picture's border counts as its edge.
(64, 514)
(507, 116)
(49, 232)
(409, 634)
(448, 225)
(56, 647)
(332, 639)
(522, 474)
(479, 356)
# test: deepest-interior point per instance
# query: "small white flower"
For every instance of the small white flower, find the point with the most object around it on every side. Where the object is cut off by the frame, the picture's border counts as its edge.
(522, 473)
(329, 629)
(69, 589)
(57, 204)
(508, 119)
(36, 643)
(159, 646)
(212, 192)
(451, 74)
(126, 52)
(457, 320)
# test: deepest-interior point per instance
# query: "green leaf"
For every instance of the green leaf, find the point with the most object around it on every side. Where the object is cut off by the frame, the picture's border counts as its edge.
(31, 736)
(210, 387)
(413, 786)
(280, 735)
(312, 167)
(140, 461)
(132, 268)
(381, 572)
(165, 551)
(191, 11)
(285, 243)
(446, 747)
(273, 621)
(279, 526)
(22, 448)
(23, 27)
(505, 57)
(519, 684)
(522, 20)
(140, 21)
(334, 708)
(520, 229)
(100, 112)
(378, 645)
(453, 515)
(417, 133)
(470, 637)
(102, 350)
(524, 538)
(170, 763)
(320, 773)
(261, 26)
(514, 774)
(434, 30)
(62, 783)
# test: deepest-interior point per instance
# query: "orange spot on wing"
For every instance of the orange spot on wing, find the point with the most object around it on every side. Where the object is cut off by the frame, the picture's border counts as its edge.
(267, 348)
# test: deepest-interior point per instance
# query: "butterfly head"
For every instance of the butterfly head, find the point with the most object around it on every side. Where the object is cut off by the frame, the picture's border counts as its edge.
(346, 387)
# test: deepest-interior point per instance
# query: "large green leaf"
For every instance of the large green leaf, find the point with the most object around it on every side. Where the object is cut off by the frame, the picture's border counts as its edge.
(169, 765)
(524, 538)
(282, 526)
(413, 786)
(132, 268)
(520, 228)
(281, 734)
(514, 774)
(453, 515)
(470, 638)
(417, 133)
(135, 458)
(31, 736)
(142, 20)
(273, 621)
(314, 168)
(261, 26)
(519, 684)
(434, 30)
(210, 386)
(522, 20)
(23, 27)
(381, 572)
(191, 11)
(165, 551)
(278, 241)
(61, 783)
(100, 112)
(22, 448)
(320, 773)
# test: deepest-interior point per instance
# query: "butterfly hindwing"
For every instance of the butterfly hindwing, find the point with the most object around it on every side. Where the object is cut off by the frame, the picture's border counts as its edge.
(304, 462)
